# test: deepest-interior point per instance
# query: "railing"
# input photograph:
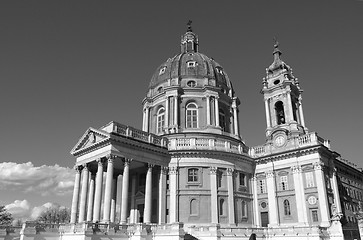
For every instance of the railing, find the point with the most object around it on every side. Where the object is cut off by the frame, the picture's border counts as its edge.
(309, 139)
(136, 134)
(207, 143)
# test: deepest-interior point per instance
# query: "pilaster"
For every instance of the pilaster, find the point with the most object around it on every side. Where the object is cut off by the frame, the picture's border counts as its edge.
(272, 199)
(323, 200)
(214, 196)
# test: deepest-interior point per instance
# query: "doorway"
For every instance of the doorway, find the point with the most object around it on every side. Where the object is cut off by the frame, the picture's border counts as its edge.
(264, 219)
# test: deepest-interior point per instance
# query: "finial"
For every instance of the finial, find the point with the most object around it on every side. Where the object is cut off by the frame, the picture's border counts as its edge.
(276, 43)
(189, 24)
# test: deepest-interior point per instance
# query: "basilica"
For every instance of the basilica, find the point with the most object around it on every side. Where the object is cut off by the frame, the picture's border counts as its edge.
(187, 174)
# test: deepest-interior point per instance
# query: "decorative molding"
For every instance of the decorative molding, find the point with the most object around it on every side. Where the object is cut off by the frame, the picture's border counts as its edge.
(230, 171)
(173, 170)
(318, 166)
(270, 174)
(296, 169)
(213, 170)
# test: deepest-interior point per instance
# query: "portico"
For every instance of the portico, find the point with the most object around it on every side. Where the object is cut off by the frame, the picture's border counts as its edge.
(117, 153)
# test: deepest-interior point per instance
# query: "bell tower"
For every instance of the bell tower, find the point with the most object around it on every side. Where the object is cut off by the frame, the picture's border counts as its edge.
(282, 96)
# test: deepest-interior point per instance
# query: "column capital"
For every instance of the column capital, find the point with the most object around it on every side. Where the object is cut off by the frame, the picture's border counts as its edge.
(163, 170)
(150, 165)
(100, 161)
(318, 166)
(111, 157)
(78, 168)
(230, 171)
(270, 174)
(173, 170)
(254, 178)
(127, 161)
(213, 170)
(296, 169)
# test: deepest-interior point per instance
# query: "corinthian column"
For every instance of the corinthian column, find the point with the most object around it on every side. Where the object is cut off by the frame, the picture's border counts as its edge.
(82, 206)
(77, 182)
(98, 192)
(300, 195)
(125, 191)
(148, 195)
(108, 190)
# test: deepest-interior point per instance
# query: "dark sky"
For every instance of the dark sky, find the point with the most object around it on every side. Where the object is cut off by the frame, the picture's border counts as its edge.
(69, 65)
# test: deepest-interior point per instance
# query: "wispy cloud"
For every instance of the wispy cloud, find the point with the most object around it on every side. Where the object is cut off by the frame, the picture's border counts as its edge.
(45, 180)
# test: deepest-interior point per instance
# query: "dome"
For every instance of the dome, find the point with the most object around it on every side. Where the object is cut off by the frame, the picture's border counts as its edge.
(190, 63)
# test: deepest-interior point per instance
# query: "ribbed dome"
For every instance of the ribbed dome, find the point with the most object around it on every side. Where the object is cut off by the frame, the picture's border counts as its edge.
(190, 63)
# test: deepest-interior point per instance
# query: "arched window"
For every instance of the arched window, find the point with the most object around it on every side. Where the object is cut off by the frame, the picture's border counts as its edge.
(280, 114)
(222, 120)
(192, 115)
(193, 207)
(160, 120)
(193, 175)
(221, 207)
(287, 211)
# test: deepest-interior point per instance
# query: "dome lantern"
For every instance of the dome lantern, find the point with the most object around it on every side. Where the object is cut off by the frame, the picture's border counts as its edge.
(189, 41)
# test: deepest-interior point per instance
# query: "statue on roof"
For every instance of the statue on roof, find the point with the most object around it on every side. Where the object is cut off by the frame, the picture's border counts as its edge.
(189, 24)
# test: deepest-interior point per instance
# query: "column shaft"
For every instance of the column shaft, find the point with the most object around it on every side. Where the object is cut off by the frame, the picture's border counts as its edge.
(231, 216)
(108, 190)
(113, 199)
(82, 206)
(147, 120)
(91, 195)
(301, 114)
(323, 200)
(235, 120)
(299, 195)
(214, 196)
(148, 195)
(162, 195)
(267, 112)
(334, 184)
(98, 192)
(133, 211)
(176, 110)
(125, 191)
(208, 110)
(216, 108)
(271, 195)
(167, 114)
(173, 209)
(255, 203)
(77, 182)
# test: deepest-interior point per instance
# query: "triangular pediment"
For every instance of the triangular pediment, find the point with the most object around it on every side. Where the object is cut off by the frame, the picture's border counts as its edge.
(90, 137)
(139, 194)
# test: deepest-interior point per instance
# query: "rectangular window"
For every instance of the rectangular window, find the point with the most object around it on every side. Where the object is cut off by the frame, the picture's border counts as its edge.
(193, 175)
(244, 209)
(262, 186)
(309, 178)
(314, 215)
(242, 179)
(283, 183)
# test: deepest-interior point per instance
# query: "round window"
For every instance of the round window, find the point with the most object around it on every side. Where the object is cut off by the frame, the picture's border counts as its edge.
(276, 81)
(191, 84)
(263, 205)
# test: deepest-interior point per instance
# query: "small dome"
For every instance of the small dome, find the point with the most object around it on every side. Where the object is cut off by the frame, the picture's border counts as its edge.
(190, 63)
